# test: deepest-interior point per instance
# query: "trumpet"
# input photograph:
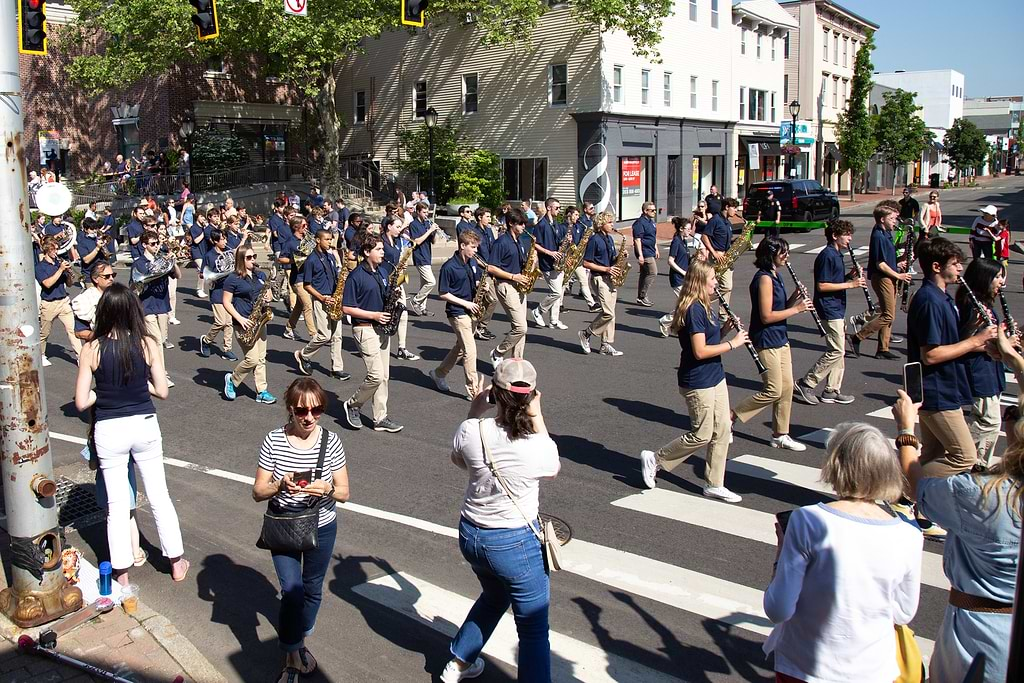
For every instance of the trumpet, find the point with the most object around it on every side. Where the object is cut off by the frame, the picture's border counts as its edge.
(73, 273)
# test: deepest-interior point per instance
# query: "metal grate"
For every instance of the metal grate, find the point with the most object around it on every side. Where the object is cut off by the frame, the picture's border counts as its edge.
(562, 529)
(77, 504)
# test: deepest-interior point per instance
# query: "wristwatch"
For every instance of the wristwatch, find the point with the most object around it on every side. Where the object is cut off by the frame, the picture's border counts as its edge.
(907, 440)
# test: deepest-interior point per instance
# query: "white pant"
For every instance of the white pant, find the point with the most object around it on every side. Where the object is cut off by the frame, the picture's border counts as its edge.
(552, 303)
(138, 436)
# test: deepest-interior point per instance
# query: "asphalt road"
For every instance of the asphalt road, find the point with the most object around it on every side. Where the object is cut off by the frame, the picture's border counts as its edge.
(662, 588)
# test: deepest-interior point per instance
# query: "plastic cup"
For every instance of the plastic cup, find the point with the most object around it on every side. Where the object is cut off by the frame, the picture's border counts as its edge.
(130, 598)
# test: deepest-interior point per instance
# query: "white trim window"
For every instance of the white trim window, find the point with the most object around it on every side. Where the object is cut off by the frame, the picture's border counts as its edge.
(835, 49)
(743, 103)
(419, 99)
(470, 93)
(756, 104)
(714, 13)
(714, 95)
(773, 47)
(693, 10)
(667, 87)
(835, 92)
(617, 84)
(558, 85)
(759, 41)
(824, 44)
(846, 50)
(359, 106)
(785, 87)
(772, 108)
(743, 41)
(693, 92)
(645, 87)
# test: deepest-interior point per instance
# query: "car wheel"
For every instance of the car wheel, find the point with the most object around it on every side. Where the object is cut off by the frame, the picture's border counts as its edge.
(835, 213)
(808, 217)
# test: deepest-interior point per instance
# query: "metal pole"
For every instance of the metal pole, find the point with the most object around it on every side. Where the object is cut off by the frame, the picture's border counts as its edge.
(797, 153)
(38, 591)
(430, 153)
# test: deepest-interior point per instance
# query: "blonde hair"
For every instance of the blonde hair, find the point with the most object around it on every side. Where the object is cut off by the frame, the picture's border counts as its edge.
(1010, 470)
(694, 289)
(860, 463)
(602, 219)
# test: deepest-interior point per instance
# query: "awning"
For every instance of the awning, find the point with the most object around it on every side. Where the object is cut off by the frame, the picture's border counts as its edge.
(832, 150)
(938, 146)
(766, 146)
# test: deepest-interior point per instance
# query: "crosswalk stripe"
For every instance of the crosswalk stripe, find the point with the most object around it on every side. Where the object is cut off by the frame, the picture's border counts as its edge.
(738, 521)
(443, 610)
(886, 413)
(778, 471)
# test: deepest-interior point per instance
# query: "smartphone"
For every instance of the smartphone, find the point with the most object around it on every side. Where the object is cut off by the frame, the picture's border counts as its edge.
(303, 478)
(783, 519)
(913, 383)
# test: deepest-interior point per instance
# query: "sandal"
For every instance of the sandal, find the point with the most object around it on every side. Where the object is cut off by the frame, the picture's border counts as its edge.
(141, 558)
(308, 662)
(183, 574)
(288, 675)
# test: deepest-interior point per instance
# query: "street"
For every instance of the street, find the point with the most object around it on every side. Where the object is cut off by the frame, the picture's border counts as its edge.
(660, 585)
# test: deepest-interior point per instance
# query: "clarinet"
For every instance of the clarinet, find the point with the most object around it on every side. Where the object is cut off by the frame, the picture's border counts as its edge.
(761, 369)
(803, 293)
(982, 312)
(1012, 328)
(860, 273)
(909, 253)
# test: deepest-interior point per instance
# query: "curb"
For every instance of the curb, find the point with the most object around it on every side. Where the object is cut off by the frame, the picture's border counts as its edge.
(180, 648)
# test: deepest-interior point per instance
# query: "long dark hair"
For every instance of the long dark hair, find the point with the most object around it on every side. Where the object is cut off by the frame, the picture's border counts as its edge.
(765, 254)
(979, 276)
(121, 326)
(513, 412)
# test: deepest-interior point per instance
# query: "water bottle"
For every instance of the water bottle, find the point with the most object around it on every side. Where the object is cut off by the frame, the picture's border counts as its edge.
(105, 576)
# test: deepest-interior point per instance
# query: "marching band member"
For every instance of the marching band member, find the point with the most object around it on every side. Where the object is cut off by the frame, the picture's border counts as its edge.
(352, 230)
(363, 300)
(465, 220)
(549, 235)
(134, 230)
(883, 272)
(394, 244)
(241, 290)
(459, 278)
(156, 295)
(233, 232)
(221, 319)
(645, 246)
(56, 228)
(320, 276)
(701, 380)
(84, 305)
(678, 263)
(831, 281)
(299, 302)
(90, 247)
(506, 267)
(577, 226)
(485, 230)
(51, 274)
(197, 250)
(422, 233)
(769, 310)
(600, 259)
(717, 237)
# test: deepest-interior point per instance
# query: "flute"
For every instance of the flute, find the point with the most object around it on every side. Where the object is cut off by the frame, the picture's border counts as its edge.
(982, 312)
(803, 293)
(761, 369)
(860, 274)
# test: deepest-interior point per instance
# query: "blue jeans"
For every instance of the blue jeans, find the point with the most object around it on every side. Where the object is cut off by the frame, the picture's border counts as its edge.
(509, 564)
(302, 586)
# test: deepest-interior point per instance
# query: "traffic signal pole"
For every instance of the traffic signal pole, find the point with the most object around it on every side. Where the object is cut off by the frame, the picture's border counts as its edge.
(38, 592)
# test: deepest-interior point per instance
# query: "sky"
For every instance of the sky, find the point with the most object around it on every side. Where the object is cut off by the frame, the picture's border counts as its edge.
(975, 38)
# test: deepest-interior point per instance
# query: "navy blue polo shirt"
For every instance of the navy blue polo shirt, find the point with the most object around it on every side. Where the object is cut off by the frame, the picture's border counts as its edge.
(719, 232)
(44, 270)
(549, 236)
(52, 229)
(714, 203)
(350, 239)
(460, 279)
(156, 295)
(767, 336)
(693, 373)
(343, 214)
(85, 246)
(509, 254)
(601, 250)
(486, 241)
(880, 249)
(287, 250)
(829, 267)
(680, 255)
(421, 255)
(214, 289)
(81, 325)
(463, 224)
(244, 291)
(321, 272)
(586, 220)
(284, 231)
(135, 229)
(314, 223)
(392, 255)
(646, 231)
(197, 251)
(234, 239)
(985, 375)
(934, 321)
(365, 288)
(578, 228)
(274, 225)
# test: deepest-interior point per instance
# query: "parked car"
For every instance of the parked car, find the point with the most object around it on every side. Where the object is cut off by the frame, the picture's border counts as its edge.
(801, 200)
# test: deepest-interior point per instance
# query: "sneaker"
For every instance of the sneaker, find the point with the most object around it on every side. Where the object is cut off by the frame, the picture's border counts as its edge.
(204, 347)
(832, 396)
(453, 674)
(387, 425)
(174, 321)
(266, 397)
(352, 416)
(229, 355)
(300, 362)
(404, 354)
(201, 294)
(663, 328)
(341, 375)
(170, 382)
(46, 362)
(484, 334)
(538, 319)
(440, 382)
(804, 394)
(887, 355)
(594, 307)
(426, 312)
(896, 339)
(853, 344)
(609, 350)
(302, 318)
(584, 340)
(721, 493)
(168, 345)
(649, 468)
(289, 334)
(559, 325)
(930, 529)
(229, 387)
(787, 442)
(906, 511)
(646, 303)
(496, 358)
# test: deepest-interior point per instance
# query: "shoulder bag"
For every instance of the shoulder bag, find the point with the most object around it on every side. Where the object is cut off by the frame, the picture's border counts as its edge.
(908, 656)
(291, 531)
(546, 534)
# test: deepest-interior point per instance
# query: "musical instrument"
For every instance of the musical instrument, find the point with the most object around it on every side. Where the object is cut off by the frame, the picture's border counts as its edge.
(484, 295)
(54, 199)
(260, 316)
(305, 248)
(66, 239)
(803, 293)
(159, 267)
(575, 254)
(393, 296)
(531, 271)
(982, 312)
(224, 264)
(73, 274)
(178, 250)
(738, 324)
(908, 253)
(621, 262)
(739, 245)
(564, 248)
(334, 311)
(1012, 328)
(860, 274)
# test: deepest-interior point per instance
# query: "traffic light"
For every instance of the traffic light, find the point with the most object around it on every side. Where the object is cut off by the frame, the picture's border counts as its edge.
(412, 12)
(205, 19)
(31, 27)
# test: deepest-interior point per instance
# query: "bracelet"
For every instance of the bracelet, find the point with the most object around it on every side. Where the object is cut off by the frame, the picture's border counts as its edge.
(907, 440)
(729, 342)
(907, 431)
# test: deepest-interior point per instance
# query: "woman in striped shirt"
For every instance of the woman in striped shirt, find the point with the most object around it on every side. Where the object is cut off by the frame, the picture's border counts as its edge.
(288, 455)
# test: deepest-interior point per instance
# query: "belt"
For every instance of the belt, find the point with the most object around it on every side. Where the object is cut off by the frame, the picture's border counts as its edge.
(974, 603)
(362, 323)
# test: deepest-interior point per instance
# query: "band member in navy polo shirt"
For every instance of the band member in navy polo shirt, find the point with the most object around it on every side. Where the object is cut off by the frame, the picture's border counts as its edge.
(241, 290)
(717, 236)
(701, 380)
(485, 229)
(575, 223)
(364, 302)
(770, 308)
(678, 263)
(352, 230)
(299, 301)
(508, 256)
(57, 227)
(422, 233)
(134, 230)
(51, 274)
(587, 215)
(156, 295)
(394, 244)
(84, 305)
(274, 224)
(197, 250)
(320, 278)
(884, 273)
(233, 232)
(600, 259)
(465, 220)
(716, 204)
(221, 319)
(549, 234)
(645, 247)
(458, 282)
(89, 249)
(831, 280)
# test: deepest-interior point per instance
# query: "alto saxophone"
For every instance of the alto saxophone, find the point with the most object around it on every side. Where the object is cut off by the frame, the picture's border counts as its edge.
(622, 263)
(484, 296)
(565, 249)
(260, 316)
(531, 271)
(736, 249)
(392, 297)
(334, 311)
(574, 258)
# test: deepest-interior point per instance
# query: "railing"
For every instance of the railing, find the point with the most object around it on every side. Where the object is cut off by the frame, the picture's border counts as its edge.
(369, 179)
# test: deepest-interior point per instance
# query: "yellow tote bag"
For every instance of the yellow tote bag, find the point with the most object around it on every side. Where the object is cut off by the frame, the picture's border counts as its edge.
(908, 655)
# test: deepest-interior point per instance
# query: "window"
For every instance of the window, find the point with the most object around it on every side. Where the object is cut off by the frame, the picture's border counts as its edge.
(846, 47)
(825, 44)
(470, 94)
(525, 178)
(693, 92)
(835, 92)
(668, 88)
(785, 46)
(743, 41)
(846, 92)
(773, 47)
(645, 87)
(743, 103)
(617, 84)
(714, 95)
(785, 87)
(755, 104)
(419, 99)
(773, 107)
(824, 88)
(215, 65)
(835, 48)
(714, 13)
(359, 106)
(693, 10)
(558, 77)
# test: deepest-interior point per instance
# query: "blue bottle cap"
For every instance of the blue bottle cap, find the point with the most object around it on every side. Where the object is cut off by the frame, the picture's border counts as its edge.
(105, 568)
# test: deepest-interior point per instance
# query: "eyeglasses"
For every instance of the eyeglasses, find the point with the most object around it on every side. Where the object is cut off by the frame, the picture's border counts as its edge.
(302, 411)
(107, 276)
(250, 257)
(152, 244)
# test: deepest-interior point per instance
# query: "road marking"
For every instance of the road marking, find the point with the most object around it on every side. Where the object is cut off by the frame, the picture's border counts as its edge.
(67, 437)
(779, 471)
(444, 611)
(886, 413)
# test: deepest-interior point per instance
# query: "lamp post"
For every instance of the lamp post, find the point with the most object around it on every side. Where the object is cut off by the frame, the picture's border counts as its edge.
(430, 120)
(794, 111)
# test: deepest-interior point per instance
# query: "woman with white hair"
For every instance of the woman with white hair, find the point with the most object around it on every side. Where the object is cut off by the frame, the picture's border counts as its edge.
(846, 571)
(984, 231)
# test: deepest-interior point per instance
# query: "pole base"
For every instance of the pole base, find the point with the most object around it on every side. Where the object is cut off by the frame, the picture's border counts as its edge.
(32, 608)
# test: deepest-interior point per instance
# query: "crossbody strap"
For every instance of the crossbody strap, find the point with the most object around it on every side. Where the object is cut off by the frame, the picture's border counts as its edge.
(502, 484)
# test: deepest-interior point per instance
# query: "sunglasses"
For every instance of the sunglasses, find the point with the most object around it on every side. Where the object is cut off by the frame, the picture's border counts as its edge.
(152, 244)
(108, 276)
(302, 411)
(250, 257)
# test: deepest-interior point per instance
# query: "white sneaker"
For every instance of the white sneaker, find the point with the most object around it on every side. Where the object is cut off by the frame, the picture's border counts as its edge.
(174, 321)
(663, 327)
(46, 362)
(787, 442)
(609, 350)
(496, 358)
(721, 493)
(452, 673)
(440, 382)
(170, 382)
(537, 317)
(201, 294)
(559, 325)
(649, 468)
(585, 341)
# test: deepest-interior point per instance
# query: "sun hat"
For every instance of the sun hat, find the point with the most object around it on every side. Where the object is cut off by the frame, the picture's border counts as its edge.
(990, 210)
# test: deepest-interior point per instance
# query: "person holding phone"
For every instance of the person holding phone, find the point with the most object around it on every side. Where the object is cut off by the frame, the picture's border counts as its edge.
(285, 476)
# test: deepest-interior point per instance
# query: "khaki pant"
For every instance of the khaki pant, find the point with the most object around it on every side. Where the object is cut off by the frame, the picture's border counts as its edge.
(666, 319)
(373, 347)
(603, 324)
(709, 426)
(947, 447)
(777, 391)
(488, 313)
(301, 303)
(327, 332)
(583, 277)
(551, 305)
(255, 361)
(831, 365)
(514, 304)
(156, 327)
(465, 348)
(984, 422)
(885, 288)
(725, 289)
(648, 271)
(200, 283)
(427, 283)
(58, 310)
(222, 320)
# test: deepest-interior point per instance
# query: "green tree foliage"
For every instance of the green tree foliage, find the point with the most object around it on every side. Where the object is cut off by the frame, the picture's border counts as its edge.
(478, 178)
(414, 144)
(965, 145)
(213, 150)
(855, 129)
(900, 133)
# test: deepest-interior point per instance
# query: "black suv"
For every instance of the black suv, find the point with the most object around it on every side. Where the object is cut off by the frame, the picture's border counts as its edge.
(801, 200)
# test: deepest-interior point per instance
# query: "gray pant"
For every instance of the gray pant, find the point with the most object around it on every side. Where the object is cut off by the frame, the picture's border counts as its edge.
(648, 271)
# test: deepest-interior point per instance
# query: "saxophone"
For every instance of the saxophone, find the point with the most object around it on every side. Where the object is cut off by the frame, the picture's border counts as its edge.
(484, 295)
(736, 249)
(565, 249)
(334, 311)
(260, 316)
(530, 271)
(621, 262)
(575, 254)
(392, 298)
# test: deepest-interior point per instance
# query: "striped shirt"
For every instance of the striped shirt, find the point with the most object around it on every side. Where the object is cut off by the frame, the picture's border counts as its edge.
(279, 456)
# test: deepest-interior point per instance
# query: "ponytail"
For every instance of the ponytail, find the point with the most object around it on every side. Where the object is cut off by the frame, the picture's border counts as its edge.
(514, 412)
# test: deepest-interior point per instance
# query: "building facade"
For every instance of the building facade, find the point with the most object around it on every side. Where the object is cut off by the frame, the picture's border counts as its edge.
(999, 119)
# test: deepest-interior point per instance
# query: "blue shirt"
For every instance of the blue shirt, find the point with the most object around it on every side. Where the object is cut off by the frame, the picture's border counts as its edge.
(135, 229)
(881, 249)
(244, 291)
(197, 251)
(586, 221)
(829, 267)
(421, 255)
(156, 295)
(214, 289)
(719, 232)
(680, 255)
(463, 224)
(234, 239)
(45, 270)
(188, 215)
(365, 288)
(321, 271)
(287, 250)
(763, 336)
(460, 279)
(86, 245)
(646, 231)
(509, 254)
(550, 237)
(985, 375)
(486, 241)
(52, 229)
(578, 228)
(601, 250)
(693, 373)
(274, 224)
(933, 321)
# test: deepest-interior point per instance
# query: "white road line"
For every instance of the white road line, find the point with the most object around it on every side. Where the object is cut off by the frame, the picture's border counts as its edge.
(886, 413)
(67, 437)
(818, 437)
(444, 611)
(777, 470)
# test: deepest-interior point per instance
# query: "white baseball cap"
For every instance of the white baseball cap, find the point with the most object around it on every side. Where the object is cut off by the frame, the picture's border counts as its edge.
(990, 210)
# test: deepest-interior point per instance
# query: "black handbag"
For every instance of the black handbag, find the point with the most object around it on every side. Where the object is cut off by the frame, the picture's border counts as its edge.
(290, 531)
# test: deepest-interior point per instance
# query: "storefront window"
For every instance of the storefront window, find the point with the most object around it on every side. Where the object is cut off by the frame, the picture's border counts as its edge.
(636, 181)
(525, 178)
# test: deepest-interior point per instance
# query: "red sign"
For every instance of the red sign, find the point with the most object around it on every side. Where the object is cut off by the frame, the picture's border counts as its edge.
(296, 7)
(630, 180)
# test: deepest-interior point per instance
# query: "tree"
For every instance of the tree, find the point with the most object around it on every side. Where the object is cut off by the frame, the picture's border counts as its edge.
(141, 38)
(460, 171)
(965, 145)
(900, 133)
(478, 178)
(855, 130)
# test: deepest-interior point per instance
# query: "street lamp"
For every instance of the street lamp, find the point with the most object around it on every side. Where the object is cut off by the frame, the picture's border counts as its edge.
(430, 120)
(794, 111)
